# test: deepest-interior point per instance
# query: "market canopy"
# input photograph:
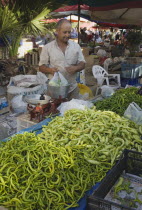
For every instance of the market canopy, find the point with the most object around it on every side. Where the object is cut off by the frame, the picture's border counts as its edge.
(71, 10)
(115, 25)
(71, 18)
(123, 12)
(118, 11)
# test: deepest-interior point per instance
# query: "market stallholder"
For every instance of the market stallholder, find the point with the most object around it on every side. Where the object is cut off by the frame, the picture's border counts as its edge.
(63, 55)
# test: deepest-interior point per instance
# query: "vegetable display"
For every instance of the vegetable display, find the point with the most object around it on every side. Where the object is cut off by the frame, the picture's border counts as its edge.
(35, 175)
(120, 100)
(54, 169)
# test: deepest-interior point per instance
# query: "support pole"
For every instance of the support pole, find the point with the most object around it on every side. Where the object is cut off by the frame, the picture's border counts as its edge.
(78, 20)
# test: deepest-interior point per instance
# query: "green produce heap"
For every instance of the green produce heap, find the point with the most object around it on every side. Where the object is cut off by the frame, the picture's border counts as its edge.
(120, 100)
(52, 171)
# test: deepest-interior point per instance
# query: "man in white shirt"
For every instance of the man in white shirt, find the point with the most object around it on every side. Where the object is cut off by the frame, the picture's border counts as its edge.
(63, 55)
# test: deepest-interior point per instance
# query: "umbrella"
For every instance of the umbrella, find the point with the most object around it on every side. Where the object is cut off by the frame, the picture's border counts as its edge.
(88, 25)
(71, 18)
(50, 20)
(118, 11)
(74, 18)
(117, 25)
(70, 10)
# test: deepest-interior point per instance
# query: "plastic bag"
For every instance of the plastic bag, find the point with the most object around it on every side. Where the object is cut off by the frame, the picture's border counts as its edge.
(19, 79)
(85, 93)
(134, 113)
(18, 105)
(107, 91)
(58, 80)
(74, 104)
(101, 53)
(41, 78)
(38, 80)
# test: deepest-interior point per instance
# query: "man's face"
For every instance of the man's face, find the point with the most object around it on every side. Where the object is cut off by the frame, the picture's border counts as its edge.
(64, 32)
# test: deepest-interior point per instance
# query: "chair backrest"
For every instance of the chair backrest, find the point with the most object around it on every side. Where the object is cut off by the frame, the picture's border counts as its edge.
(99, 71)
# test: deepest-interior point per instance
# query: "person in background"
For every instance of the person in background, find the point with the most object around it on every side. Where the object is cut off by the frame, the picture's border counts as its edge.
(117, 36)
(74, 33)
(49, 37)
(63, 55)
(83, 36)
(99, 40)
(41, 40)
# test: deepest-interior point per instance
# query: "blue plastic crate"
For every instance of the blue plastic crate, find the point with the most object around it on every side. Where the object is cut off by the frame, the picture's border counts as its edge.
(129, 81)
(131, 70)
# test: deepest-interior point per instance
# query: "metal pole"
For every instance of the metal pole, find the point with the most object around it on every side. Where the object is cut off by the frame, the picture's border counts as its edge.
(70, 18)
(78, 19)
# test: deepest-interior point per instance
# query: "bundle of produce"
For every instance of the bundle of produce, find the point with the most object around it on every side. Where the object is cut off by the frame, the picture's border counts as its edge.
(54, 169)
(120, 100)
(35, 175)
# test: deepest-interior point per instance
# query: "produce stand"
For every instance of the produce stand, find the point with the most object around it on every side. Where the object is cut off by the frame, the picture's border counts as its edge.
(89, 135)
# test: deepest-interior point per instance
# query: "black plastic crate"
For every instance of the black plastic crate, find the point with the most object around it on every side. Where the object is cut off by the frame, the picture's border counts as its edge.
(129, 162)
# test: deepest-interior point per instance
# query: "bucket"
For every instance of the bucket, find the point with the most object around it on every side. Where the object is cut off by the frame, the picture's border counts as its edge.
(58, 91)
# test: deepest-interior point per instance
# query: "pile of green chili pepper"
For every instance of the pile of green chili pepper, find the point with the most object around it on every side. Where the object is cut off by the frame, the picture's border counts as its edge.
(120, 100)
(52, 171)
(35, 175)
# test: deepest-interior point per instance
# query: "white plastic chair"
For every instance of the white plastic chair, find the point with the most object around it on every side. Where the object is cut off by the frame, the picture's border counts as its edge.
(102, 76)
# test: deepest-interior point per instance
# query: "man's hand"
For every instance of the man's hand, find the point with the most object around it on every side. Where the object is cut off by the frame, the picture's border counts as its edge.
(76, 68)
(46, 70)
(71, 69)
(53, 70)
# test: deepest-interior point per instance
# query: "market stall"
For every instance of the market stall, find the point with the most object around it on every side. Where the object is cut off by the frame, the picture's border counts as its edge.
(67, 155)
(69, 147)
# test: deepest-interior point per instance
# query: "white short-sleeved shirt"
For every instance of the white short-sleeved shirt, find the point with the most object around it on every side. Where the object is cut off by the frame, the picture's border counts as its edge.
(52, 56)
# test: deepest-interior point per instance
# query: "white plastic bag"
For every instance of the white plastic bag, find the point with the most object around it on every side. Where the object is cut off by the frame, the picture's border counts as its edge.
(74, 104)
(55, 81)
(58, 80)
(107, 91)
(18, 105)
(63, 81)
(134, 113)
(41, 78)
(101, 53)
(19, 79)
(39, 81)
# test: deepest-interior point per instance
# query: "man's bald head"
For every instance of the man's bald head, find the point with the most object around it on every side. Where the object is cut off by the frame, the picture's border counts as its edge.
(62, 22)
(63, 30)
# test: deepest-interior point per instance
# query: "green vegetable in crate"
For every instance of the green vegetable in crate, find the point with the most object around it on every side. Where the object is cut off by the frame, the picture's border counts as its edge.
(120, 100)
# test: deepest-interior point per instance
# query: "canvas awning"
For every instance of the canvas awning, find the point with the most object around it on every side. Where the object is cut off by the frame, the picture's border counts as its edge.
(113, 11)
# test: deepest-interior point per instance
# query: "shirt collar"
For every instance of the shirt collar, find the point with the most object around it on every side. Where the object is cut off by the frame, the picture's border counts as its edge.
(57, 43)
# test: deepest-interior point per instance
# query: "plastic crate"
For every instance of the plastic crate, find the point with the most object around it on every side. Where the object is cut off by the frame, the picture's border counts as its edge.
(130, 162)
(129, 81)
(131, 70)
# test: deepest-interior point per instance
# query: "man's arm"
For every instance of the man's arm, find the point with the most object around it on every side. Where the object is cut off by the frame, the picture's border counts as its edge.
(46, 70)
(76, 68)
(44, 62)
